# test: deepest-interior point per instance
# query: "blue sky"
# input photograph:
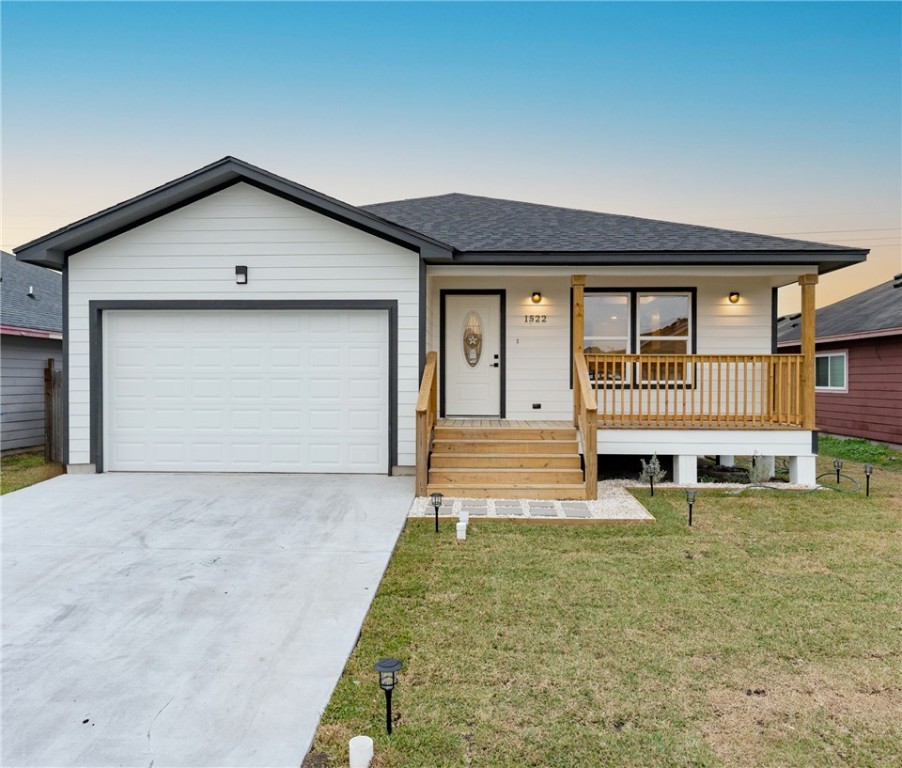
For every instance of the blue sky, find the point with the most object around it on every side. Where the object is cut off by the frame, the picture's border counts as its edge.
(770, 117)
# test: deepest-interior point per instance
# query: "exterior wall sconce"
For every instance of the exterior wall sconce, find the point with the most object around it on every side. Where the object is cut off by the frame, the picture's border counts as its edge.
(241, 275)
(388, 677)
(536, 297)
(734, 297)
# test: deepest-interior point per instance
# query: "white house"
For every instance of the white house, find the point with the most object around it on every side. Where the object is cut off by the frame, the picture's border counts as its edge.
(232, 320)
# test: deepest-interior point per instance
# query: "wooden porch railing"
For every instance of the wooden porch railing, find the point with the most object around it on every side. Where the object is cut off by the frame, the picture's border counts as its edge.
(427, 414)
(698, 391)
(585, 406)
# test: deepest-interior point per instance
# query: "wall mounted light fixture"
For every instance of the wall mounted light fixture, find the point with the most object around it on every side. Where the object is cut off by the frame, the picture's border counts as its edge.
(536, 297)
(734, 297)
(241, 275)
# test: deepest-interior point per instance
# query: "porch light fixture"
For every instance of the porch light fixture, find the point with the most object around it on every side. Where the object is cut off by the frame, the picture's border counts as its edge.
(536, 297)
(690, 497)
(734, 297)
(241, 275)
(837, 465)
(868, 470)
(388, 677)
(436, 502)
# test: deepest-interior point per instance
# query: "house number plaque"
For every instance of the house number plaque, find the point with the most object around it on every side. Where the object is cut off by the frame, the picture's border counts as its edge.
(533, 319)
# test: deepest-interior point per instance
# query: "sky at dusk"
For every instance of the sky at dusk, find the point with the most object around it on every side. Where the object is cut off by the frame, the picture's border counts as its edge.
(780, 118)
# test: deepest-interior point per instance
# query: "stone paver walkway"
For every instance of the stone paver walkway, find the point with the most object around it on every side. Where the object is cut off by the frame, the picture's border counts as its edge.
(614, 503)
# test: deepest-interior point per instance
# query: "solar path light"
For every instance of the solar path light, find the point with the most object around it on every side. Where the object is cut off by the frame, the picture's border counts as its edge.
(388, 676)
(690, 497)
(837, 465)
(436, 502)
(868, 471)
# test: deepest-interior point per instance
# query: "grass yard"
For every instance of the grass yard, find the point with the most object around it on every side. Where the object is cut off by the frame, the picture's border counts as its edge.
(23, 469)
(766, 635)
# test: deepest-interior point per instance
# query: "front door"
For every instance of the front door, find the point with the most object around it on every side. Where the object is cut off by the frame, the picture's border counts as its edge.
(472, 356)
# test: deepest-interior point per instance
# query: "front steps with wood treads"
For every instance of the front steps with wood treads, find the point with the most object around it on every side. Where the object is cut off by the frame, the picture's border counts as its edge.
(478, 462)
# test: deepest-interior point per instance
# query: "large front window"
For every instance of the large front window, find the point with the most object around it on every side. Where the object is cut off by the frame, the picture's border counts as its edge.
(638, 322)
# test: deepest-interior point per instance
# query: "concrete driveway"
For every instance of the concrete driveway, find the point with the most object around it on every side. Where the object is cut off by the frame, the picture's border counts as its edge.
(184, 620)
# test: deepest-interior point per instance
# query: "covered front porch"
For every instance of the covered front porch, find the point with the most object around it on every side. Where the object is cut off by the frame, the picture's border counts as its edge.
(679, 404)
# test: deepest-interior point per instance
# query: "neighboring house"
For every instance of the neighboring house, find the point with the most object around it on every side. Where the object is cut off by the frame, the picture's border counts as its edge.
(858, 379)
(233, 320)
(31, 326)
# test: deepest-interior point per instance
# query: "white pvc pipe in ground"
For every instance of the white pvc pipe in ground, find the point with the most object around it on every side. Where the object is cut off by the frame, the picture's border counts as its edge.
(361, 751)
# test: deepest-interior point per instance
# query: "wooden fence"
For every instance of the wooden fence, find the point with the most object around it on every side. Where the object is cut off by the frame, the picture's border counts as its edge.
(53, 412)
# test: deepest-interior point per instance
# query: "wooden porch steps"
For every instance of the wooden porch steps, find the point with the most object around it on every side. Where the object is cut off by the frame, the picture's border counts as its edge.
(512, 462)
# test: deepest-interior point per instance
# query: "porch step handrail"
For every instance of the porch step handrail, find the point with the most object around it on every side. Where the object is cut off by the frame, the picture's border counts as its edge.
(585, 407)
(713, 391)
(427, 415)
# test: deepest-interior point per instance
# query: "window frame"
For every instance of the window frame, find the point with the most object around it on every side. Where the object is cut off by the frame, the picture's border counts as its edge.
(633, 304)
(844, 354)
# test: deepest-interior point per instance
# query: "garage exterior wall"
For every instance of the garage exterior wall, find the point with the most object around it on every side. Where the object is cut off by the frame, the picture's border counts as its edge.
(292, 253)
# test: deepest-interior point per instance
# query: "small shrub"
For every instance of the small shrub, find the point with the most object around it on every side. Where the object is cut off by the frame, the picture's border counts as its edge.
(651, 472)
(760, 471)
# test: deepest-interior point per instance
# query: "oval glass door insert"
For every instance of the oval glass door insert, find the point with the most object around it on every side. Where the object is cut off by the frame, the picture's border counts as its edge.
(472, 339)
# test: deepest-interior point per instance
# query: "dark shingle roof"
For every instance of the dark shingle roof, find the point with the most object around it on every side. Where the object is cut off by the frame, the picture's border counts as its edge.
(876, 309)
(17, 308)
(472, 223)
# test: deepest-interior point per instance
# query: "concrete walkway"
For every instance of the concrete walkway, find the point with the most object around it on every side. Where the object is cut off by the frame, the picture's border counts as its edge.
(184, 620)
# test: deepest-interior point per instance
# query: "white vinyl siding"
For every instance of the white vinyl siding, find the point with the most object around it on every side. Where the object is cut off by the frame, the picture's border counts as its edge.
(291, 253)
(538, 355)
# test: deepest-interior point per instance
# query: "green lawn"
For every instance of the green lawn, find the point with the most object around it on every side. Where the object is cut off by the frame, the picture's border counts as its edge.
(23, 469)
(766, 635)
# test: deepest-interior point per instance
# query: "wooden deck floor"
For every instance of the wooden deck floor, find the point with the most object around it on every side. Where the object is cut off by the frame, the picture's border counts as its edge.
(505, 423)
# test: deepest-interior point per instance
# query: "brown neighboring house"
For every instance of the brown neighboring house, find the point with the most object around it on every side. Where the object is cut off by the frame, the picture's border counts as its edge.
(858, 379)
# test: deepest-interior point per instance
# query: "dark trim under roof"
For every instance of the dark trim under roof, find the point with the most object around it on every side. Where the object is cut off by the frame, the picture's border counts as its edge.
(51, 250)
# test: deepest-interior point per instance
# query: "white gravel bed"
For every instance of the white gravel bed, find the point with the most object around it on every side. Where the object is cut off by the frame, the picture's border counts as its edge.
(703, 486)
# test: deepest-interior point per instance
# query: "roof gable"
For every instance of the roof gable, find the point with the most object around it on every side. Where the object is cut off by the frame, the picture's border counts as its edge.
(52, 249)
(43, 308)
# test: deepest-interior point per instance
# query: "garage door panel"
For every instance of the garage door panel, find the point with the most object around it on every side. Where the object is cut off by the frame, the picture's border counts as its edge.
(251, 390)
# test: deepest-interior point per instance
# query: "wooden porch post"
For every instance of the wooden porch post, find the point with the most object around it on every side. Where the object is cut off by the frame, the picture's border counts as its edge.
(807, 282)
(578, 283)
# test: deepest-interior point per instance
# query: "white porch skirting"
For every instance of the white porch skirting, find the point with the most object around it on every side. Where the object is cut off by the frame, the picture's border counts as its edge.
(685, 445)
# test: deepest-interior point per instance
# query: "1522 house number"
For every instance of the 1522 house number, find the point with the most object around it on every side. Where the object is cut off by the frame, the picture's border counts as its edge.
(531, 319)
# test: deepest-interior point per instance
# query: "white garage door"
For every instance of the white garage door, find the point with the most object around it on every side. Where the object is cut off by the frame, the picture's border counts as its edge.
(246, 391)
